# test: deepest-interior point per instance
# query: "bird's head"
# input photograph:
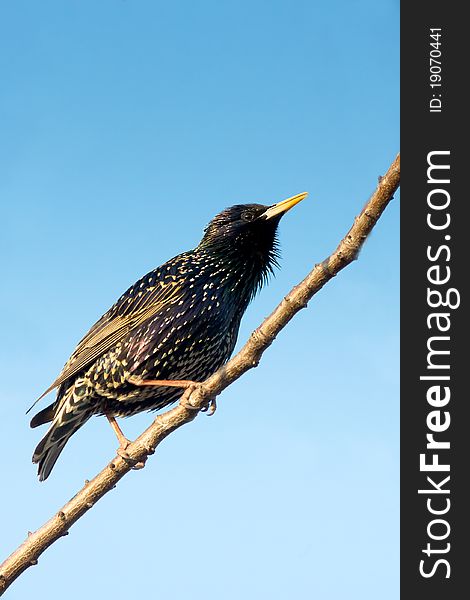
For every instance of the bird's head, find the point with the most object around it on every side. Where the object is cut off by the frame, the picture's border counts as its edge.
(245, 234)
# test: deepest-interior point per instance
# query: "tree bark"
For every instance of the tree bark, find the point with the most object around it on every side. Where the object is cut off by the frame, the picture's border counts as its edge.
(200, 396)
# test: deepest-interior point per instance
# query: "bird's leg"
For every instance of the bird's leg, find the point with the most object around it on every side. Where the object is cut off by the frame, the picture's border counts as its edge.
(123, 441)
(181, 383)
(210, 407)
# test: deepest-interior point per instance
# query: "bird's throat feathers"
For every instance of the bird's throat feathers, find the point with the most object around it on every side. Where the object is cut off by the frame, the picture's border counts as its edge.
(244, 258)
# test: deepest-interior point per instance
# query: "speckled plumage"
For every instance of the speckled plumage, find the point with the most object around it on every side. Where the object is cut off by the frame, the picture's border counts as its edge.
(179, 321)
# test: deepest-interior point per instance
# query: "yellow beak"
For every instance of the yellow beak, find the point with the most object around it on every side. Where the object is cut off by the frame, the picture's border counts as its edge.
(284, 206)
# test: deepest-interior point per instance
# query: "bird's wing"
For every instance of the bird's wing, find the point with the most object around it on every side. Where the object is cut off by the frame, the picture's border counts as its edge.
(139, 303)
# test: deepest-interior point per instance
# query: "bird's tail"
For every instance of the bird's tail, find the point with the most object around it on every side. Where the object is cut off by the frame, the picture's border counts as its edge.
(67, 420)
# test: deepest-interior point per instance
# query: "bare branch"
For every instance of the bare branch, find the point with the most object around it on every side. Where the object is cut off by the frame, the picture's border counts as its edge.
(197, 398)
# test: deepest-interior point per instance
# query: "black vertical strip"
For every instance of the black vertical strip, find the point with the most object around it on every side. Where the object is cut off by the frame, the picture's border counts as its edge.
(435, 423)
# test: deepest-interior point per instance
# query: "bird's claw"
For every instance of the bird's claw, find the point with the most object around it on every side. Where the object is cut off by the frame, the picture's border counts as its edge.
(121, 451)
(132, 462)
(138, 465)
(210, 407)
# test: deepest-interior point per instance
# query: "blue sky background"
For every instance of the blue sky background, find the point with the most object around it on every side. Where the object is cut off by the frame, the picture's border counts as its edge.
(125, 126)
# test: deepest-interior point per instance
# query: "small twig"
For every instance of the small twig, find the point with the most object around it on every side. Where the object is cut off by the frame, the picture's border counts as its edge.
(199, 397)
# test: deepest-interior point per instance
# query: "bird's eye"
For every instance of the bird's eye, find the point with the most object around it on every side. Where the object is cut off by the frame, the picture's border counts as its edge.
(248, 216)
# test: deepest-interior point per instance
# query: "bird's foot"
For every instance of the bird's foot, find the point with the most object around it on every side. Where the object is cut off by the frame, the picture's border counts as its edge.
(122, 452)
(132, 462)
(209, 407)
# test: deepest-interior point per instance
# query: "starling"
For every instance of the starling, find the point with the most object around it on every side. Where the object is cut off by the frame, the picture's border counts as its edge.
(176, 325)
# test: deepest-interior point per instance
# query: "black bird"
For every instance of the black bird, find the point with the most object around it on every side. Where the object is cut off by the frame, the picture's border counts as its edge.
(179, 322)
